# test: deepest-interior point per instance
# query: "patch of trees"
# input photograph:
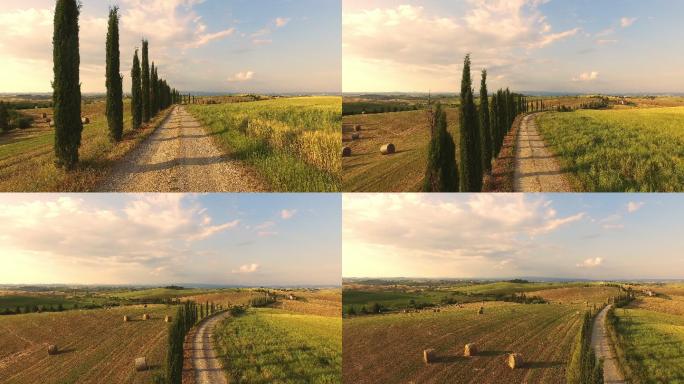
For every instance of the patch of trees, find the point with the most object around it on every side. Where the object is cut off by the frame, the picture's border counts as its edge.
(350, 109)
(521, 298)
(67, 88)
(584, 367)
(10, 118)
(482, 132)
(262, 301)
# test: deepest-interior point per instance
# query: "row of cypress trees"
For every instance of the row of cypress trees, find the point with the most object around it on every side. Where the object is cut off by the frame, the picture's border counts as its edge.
(481, 135)
(584, 367)
(188, 314)
(67, 88)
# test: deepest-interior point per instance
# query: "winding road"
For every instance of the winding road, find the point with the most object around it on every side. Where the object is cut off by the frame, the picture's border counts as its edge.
(536, 168)
(180, 156)
(600, 342)
(207, 366)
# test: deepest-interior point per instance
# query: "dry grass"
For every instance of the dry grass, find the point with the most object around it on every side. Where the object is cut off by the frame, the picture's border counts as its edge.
(27, 156)
(322, 303)
(579, 295)
(95, 346)
(367, 170)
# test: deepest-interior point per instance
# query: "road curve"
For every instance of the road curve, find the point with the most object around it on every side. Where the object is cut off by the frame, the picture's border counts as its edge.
(208, 369)
(180, 156)
(601, 344)
(536, 168)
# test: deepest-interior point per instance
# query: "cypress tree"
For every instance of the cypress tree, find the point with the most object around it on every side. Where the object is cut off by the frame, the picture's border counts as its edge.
(470, 162)
(147, 113)
(442, 171)
(114, 80)
(4, 117)
(485, 129)
(494, 124)
(136, 92)
(153, 91)
(66, 84)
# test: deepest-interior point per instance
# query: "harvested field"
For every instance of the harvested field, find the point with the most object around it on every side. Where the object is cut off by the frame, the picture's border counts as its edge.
(388, 348)
(367, 170)
(96, 346)
(595, 294)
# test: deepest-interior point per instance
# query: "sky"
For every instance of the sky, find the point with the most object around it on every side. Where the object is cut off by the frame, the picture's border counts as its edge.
(224, 239)
(585, 46)
(574, 236)
(235, 46)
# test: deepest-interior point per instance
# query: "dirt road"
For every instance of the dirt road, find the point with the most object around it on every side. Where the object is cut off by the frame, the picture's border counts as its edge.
(180, 156)
(207, 366)
(536, 168)
(601, 344)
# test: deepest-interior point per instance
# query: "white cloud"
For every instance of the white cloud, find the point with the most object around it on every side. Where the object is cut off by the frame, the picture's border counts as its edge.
(148, 230)
(627, 21)
(634, 206)
(489, 228)
(606, 41)
(247, 268)
(207, 38)
(287, 214)
(242, 77)
(281, 21)
(591, 263)
(410, 40)
(586, 76)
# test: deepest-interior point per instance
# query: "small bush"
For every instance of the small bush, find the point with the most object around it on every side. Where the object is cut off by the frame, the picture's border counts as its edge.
(24, 122)
(237, 311)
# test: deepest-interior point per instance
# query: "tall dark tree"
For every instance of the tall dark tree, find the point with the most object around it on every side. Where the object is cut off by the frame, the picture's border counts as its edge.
(4, 117)
(113, 78)
(147, 112)
(153, 91)
(494, 124)
(442, 172)
(485, 129)
(470, 162)
(66, 84)
(136, 92)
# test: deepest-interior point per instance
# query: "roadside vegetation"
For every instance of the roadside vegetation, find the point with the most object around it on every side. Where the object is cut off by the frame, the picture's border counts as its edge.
(266, 345)
(293, 143)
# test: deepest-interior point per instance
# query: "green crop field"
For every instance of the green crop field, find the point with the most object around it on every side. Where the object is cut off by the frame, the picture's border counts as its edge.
(367, 170)
(650, 338)
(96, 346)
(273, 346)
(621, 150)
(294, 143)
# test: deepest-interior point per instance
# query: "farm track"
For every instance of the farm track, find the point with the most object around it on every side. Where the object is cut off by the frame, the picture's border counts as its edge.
(601, 344)
(180, 156)
(536, 168)
(208, 369)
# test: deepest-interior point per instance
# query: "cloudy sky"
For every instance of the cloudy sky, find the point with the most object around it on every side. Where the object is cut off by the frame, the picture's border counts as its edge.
(611, 46)
(596, 236)
(249, 239)
(199, 45)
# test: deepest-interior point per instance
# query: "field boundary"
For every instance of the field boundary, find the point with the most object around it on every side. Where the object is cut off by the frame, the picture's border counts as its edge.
(502, 177)
(189, 375)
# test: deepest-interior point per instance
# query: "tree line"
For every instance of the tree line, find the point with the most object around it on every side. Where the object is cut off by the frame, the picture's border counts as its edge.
(584, 367)
(483, 129)
(150, 94)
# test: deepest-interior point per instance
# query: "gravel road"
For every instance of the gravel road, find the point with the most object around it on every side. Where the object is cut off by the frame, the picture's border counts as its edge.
(536, 168)
(601, 344)
(207, 366)
(180, 156)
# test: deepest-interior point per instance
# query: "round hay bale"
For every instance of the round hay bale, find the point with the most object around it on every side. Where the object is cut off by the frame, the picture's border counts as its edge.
(470, 350)
(52, 123)
(515, 360)
(43, 115)
(429, 356)
(52, 349)
(481, 311)
(126, 319)
(141, 364)
(388, 149)
(356, 136)
(146, 316)
(357, 128)
(167, 319)
(85, 120)
(346, 152)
